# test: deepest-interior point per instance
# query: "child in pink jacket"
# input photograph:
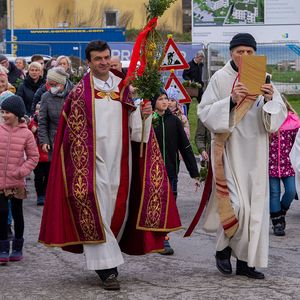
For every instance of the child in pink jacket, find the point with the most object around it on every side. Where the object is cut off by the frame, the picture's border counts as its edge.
(281, 170)
(16, 140)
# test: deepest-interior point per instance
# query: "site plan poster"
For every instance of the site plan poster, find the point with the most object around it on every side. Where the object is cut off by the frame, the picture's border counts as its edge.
(268, 20)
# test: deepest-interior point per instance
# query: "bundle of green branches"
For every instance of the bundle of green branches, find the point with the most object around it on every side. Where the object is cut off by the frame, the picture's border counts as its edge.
(148, 84)
(156, 8)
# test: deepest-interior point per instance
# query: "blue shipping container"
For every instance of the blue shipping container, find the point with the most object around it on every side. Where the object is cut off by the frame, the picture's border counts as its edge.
(58, 41)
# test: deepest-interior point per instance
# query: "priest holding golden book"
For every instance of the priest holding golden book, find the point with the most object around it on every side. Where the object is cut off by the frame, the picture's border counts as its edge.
(240, 116)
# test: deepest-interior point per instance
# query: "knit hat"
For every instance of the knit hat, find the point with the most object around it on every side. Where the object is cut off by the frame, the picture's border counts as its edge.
(4, 95)
(243, 39)
(15, 105)
(173, 93)
(2, 57)
(154, 99)
(58, 74)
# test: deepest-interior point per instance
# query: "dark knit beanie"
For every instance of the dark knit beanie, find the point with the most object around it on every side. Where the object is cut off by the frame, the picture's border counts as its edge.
(15, 105)
(3, 57)
(243, 39)
(154, 99)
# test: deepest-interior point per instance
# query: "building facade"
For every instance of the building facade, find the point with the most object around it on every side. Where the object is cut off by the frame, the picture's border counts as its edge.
(91, 13)
(217, 4)
(245, 12)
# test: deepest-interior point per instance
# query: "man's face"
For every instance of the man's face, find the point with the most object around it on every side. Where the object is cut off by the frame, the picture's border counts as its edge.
(5, 63)
(41, 61)
(100, 63)
(237, 52)
(198, 59)
(20, 64)
(116, 64)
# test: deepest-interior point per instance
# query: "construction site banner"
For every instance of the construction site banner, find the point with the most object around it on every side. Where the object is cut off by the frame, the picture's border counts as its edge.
(267, 20)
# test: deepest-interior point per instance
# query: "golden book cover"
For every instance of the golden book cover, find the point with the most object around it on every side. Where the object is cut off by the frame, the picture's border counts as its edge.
(253, 72)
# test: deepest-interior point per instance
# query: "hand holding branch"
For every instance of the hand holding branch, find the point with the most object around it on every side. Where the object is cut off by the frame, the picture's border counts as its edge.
(146, 109)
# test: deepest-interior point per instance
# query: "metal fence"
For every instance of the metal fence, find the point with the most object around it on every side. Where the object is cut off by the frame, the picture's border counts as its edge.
(283, 63)
(283, 59)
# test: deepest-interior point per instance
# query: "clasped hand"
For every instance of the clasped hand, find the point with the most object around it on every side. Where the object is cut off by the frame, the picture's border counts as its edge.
(240, 92)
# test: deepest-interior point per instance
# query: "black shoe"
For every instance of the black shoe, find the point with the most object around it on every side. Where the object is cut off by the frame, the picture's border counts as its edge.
(111, 283)
(168, 250)
(243, 270)
(282, 217)
(223, 261)
(279, 229)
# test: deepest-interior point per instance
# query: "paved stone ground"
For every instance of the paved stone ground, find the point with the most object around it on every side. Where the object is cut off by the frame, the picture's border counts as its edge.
(190, 273)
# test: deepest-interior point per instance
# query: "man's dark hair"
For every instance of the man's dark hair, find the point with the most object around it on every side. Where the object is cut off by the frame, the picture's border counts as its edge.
(36, 57)
(95, 46)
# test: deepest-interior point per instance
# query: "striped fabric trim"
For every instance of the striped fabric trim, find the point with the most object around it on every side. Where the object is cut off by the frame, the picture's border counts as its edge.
(227, 216)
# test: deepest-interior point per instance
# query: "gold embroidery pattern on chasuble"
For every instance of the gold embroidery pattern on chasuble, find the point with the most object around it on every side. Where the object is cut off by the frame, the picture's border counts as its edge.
(78, 135)
(154, 207)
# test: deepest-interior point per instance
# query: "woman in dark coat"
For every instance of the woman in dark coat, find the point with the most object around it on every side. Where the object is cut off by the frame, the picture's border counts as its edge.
(30, 85)
(51, 106)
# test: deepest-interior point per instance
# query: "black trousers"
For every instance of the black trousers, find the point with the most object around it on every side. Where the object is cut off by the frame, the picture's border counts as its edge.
(200, 93)
(17, 213)
(41, 174)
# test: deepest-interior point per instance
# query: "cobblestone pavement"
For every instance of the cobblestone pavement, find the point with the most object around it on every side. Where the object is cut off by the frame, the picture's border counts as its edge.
(47, 273)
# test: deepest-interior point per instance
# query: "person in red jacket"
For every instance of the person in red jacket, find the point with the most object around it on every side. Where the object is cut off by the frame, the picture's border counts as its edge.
(16, 140)
(41, 171)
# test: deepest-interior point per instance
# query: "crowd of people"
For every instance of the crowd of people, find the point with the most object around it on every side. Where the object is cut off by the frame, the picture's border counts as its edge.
(31, 100)
(106, 164)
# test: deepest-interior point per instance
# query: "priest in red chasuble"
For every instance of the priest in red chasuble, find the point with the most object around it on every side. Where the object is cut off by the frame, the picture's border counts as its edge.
(102, 197)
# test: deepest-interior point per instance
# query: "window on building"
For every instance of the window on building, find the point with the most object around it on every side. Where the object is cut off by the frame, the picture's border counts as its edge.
(111, 19)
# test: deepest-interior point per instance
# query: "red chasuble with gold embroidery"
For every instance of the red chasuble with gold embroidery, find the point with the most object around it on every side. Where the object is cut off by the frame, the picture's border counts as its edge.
(72, 216)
